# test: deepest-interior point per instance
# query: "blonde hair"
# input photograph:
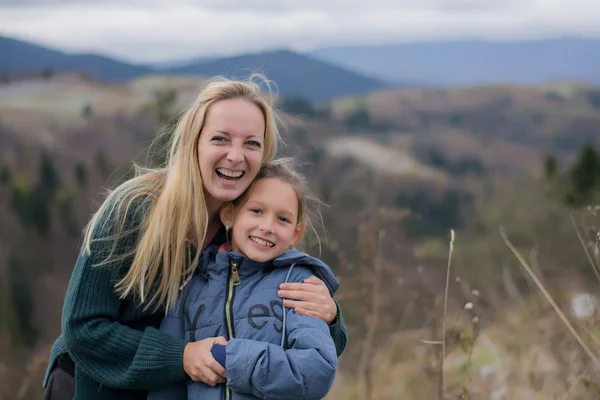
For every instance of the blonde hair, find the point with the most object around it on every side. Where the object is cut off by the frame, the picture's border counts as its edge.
(169, 204)
(308, 204)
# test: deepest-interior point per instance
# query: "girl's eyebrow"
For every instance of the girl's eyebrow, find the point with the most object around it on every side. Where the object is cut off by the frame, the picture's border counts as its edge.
(258, 203)
(254, 202)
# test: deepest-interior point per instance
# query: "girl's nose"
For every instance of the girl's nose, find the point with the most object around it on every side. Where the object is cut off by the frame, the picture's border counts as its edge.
(266, 225)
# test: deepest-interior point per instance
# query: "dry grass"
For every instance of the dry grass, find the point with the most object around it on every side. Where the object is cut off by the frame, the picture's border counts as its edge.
(526, 355)
(532, 349)
(547, 295)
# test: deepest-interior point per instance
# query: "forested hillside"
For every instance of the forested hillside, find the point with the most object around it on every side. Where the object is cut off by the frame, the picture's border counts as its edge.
(397, 169)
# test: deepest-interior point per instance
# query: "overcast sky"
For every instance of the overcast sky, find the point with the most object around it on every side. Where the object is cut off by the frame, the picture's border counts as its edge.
(160, 30)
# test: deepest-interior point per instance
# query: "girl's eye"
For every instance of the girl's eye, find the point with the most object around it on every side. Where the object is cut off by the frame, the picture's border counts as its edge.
(284, 219)
(255, 210)
(253, 143)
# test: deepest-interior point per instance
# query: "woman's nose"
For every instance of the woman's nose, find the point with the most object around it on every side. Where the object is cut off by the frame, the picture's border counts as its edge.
(235, 155)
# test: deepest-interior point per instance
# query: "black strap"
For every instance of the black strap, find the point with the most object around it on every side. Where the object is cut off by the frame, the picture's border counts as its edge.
(65, 363)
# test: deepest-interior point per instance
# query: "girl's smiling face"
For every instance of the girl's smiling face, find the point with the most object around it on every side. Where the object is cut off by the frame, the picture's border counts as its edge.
(265, 224)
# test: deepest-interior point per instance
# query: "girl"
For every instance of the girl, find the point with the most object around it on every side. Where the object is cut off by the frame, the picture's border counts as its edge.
(147, 238)
(267, 353)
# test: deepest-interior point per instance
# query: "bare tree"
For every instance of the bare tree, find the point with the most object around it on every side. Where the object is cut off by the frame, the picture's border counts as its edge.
(372, 319)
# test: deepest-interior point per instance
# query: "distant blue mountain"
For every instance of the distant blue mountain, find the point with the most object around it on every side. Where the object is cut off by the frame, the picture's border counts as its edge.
(295, 74)
(171, 64)
(18, 56)
(473, 62)
(348, 71)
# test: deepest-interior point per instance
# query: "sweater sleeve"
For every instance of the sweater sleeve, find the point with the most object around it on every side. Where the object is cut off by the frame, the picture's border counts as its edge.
(172, 325)
(305, 368)
(338, 331)
(110, 352)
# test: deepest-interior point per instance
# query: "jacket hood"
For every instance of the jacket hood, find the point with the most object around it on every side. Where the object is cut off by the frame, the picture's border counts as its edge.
(287, 259)
(320, 269)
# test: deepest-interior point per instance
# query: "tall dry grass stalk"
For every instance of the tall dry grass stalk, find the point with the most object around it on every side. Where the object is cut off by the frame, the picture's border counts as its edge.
(595, 264)
(547, 295)
(442, 392)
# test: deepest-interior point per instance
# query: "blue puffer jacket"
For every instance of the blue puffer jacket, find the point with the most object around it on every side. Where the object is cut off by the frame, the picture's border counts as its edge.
(272, 352)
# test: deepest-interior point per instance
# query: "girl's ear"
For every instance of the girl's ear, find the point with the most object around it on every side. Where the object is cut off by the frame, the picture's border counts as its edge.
(296, 235)
(227, 212)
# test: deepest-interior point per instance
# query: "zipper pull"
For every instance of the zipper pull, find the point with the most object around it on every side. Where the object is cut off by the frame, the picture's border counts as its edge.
(235, 275)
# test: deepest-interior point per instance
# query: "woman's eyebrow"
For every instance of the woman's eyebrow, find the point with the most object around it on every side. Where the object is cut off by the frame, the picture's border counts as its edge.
(247, 136)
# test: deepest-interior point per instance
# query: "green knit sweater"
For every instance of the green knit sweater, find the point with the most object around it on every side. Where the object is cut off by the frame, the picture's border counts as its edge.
(118, 351)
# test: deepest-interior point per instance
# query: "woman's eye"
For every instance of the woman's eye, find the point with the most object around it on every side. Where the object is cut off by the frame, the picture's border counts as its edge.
(218, 139)
(253, 143)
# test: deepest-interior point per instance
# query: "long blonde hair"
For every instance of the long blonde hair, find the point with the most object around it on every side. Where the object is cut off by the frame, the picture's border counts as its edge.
(169, 205)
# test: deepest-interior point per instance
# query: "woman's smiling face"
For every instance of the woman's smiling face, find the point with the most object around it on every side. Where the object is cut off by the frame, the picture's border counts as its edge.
(230, 149)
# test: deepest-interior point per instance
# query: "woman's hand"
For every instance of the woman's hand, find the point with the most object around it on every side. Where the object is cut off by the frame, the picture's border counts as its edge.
(199, 363)
(309, 298)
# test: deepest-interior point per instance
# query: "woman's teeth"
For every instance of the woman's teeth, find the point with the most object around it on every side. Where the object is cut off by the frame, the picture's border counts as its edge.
(229, 174)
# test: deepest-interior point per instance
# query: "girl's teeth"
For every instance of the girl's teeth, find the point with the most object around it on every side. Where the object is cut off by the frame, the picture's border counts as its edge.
(262, 242)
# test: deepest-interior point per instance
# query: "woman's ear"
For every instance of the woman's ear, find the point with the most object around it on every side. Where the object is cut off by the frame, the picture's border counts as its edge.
(227, 212)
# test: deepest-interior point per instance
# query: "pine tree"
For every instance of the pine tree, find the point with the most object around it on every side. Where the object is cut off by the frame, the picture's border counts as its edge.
(5, 175)
(81, 175)
(550, 167)
(584, 176)
(49, 180)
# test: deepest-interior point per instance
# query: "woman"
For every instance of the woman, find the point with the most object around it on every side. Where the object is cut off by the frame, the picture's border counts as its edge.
(145, 242)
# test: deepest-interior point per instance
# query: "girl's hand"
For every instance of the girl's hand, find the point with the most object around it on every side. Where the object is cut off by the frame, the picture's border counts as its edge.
(199, 363)
(309, 298)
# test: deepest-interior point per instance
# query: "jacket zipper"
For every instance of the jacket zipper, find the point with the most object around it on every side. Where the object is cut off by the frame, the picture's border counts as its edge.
(233, 280)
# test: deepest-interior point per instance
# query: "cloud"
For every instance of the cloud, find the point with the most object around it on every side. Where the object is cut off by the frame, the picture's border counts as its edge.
(154, 30)
(277, 5)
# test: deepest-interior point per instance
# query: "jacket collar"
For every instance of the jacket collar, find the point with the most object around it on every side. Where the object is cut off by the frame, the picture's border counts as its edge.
(217, 263)
(217, 260)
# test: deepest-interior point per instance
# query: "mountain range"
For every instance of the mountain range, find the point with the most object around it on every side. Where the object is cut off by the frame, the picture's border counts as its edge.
(473, 62)
(24, 57)
(329, 73)
(295, 75)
